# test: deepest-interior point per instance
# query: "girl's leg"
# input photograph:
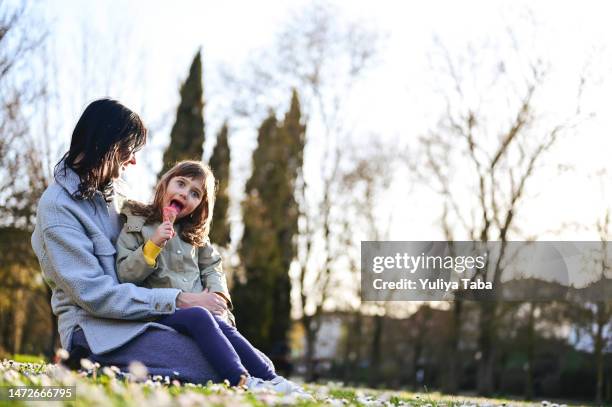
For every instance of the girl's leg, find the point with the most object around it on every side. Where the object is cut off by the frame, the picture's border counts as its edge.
(199, 324)
(251, 358)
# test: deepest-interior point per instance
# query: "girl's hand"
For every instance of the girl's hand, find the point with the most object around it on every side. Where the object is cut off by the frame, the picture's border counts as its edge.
(163, 233)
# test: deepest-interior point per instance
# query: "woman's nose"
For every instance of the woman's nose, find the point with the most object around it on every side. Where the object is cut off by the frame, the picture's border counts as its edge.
(132, 160)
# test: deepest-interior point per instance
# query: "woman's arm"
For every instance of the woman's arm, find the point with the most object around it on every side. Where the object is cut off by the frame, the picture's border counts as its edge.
(74, 267)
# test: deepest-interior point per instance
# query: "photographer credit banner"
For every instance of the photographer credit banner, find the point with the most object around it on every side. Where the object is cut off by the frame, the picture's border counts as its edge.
(500, 271)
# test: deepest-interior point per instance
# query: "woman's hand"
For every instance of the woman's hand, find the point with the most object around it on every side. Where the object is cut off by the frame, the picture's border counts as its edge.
(211, 301)
(163, 233)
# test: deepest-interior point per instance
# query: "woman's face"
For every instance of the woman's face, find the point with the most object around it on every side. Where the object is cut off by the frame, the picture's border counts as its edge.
(121, 164)
(130, 160)
(187, 193)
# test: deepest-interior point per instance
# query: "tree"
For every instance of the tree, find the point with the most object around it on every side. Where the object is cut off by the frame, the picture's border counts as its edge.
(187, 135)
(22, 172)
(220, 165)
(593, 317)
(365, 178)
(323, 56)
(258, 250)
(270, 216)
(480, 162)
(290, 161)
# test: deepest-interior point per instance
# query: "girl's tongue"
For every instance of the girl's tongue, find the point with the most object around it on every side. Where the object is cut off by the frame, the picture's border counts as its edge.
(176, 205)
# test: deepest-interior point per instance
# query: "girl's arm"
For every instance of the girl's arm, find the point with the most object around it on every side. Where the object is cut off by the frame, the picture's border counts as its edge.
(211, 272)
(74, 265)
(132, 265)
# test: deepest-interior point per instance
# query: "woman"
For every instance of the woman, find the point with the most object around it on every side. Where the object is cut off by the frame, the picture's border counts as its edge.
(76, 229)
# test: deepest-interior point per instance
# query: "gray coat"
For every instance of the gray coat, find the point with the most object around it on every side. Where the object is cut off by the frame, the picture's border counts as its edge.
(75, 244)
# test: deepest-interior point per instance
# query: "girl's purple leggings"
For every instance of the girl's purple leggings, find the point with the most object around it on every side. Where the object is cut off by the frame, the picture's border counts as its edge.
(229, 353)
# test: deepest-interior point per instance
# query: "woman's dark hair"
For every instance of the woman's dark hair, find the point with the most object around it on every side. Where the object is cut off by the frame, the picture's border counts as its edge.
(194, 228)
(104, 138)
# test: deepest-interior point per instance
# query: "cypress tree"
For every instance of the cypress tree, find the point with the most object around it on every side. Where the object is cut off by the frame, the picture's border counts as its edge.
(290, 160)
(187, 135)
(259, 251)
(220, 163)
(270, 215)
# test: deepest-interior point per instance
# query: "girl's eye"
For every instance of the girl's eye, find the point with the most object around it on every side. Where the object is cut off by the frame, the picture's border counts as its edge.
(195, 194)
(181, 183)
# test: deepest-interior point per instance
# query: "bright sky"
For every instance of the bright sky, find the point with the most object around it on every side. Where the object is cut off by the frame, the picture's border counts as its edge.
(139, 52)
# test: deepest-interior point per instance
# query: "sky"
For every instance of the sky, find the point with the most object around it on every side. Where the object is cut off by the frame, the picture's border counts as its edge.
(140, 51)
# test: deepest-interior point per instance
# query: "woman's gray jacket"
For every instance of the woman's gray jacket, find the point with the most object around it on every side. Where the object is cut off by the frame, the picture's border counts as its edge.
(75, 243)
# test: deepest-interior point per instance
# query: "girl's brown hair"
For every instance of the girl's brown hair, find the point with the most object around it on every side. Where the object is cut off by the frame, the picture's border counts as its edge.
(196, 226)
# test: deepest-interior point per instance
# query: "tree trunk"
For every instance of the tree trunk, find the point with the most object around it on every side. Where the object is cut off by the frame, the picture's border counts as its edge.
(352, 354)
(599, 362)
(375, 360)
(310, 331)
(530, 352)
(19, 318)
(454, 358)
(487, 348)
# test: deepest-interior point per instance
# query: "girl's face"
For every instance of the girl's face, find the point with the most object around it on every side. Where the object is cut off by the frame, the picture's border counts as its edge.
(187, 193)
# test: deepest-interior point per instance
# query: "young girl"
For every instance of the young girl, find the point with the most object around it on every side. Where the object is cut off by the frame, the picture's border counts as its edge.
(155, 252)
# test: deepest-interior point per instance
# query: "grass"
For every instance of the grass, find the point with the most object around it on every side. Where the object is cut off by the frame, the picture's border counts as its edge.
(106, 386)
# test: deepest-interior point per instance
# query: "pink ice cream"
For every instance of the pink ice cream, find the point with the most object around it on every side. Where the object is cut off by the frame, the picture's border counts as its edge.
(170, 212)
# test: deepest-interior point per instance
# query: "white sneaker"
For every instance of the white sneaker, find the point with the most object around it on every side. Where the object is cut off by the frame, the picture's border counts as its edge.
(255, 383)
(282, 385)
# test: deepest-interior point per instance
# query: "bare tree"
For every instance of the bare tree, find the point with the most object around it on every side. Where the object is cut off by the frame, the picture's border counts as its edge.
(481, 157)
(365, 181)
(594, 318)
(21, 173)
(323, 58)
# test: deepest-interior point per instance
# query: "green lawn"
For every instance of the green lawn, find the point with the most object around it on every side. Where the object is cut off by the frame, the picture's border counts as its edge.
(103, 387)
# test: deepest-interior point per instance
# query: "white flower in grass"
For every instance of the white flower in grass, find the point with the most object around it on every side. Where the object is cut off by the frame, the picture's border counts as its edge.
(46, 381)
(322, 392)
(386, 396)
(266, 396)
(117, 388)
(95, 394)
(191, 399)
(11, 376)
(288, 399)
(108, 372)
(545, 403)
(138, 370)
(87, 364)
(160, 397)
